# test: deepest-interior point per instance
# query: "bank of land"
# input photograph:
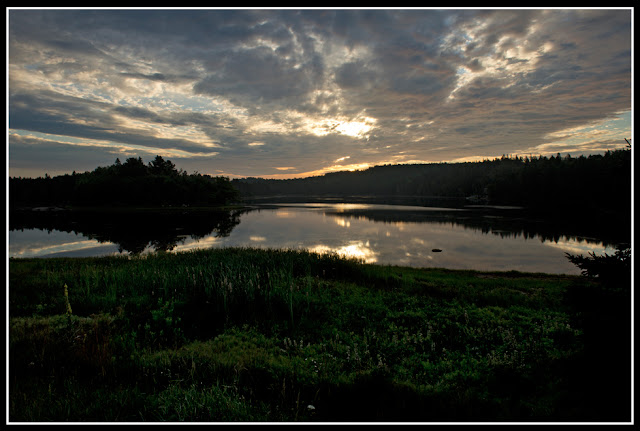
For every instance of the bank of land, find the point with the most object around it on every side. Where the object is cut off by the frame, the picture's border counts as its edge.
(281, 335)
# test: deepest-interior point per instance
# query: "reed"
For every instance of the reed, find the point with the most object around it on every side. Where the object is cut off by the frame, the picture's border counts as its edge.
(286, 335)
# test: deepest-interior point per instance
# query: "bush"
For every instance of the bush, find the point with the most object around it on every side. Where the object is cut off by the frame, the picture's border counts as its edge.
(611, 270)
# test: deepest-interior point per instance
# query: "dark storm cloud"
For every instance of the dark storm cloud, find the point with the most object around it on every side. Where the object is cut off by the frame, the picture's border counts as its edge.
(266, 89)
(261, 74)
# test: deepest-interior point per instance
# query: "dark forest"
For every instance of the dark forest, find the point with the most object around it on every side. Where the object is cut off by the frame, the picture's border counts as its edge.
(598, 184)
(132, 183)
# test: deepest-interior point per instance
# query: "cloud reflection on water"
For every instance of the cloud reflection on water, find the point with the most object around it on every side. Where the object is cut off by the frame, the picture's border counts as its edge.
(371, 233)
(57, 244)
(329, 228)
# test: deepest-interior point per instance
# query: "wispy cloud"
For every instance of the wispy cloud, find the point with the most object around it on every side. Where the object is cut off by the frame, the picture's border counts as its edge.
(247, 91)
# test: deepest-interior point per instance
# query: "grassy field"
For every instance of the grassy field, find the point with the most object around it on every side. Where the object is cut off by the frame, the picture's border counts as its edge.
(273, 335)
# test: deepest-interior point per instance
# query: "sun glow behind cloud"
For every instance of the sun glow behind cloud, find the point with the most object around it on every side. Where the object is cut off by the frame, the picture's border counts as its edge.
(356, 129)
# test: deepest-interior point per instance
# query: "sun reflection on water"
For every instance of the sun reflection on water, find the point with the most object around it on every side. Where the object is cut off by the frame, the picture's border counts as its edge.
(354, 249)
(343, 222)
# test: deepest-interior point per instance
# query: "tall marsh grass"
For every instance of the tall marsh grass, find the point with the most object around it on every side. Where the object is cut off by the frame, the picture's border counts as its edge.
(284, 335)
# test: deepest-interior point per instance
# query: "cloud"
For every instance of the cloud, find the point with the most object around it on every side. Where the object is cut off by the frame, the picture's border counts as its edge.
(260, 75)
(33, 155)
(312, 85)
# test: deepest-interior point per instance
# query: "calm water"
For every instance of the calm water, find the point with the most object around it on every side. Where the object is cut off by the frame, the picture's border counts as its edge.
(458, 238)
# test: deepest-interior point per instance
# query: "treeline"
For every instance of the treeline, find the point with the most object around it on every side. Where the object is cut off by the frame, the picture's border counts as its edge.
(130, 183)
(593, 182)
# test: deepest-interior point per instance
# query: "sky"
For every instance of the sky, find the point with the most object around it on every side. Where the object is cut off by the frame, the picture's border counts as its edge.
(289, 93)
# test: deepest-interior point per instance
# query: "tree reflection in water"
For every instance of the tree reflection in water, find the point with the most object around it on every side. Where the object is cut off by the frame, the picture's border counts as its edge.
(133, 231)
(456, 238)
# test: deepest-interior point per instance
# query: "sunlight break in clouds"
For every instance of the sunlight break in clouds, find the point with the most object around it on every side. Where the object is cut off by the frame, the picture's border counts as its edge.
(248, 92)
(356, 129)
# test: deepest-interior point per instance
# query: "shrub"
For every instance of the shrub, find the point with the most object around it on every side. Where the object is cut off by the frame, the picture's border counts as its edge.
(612, 270)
